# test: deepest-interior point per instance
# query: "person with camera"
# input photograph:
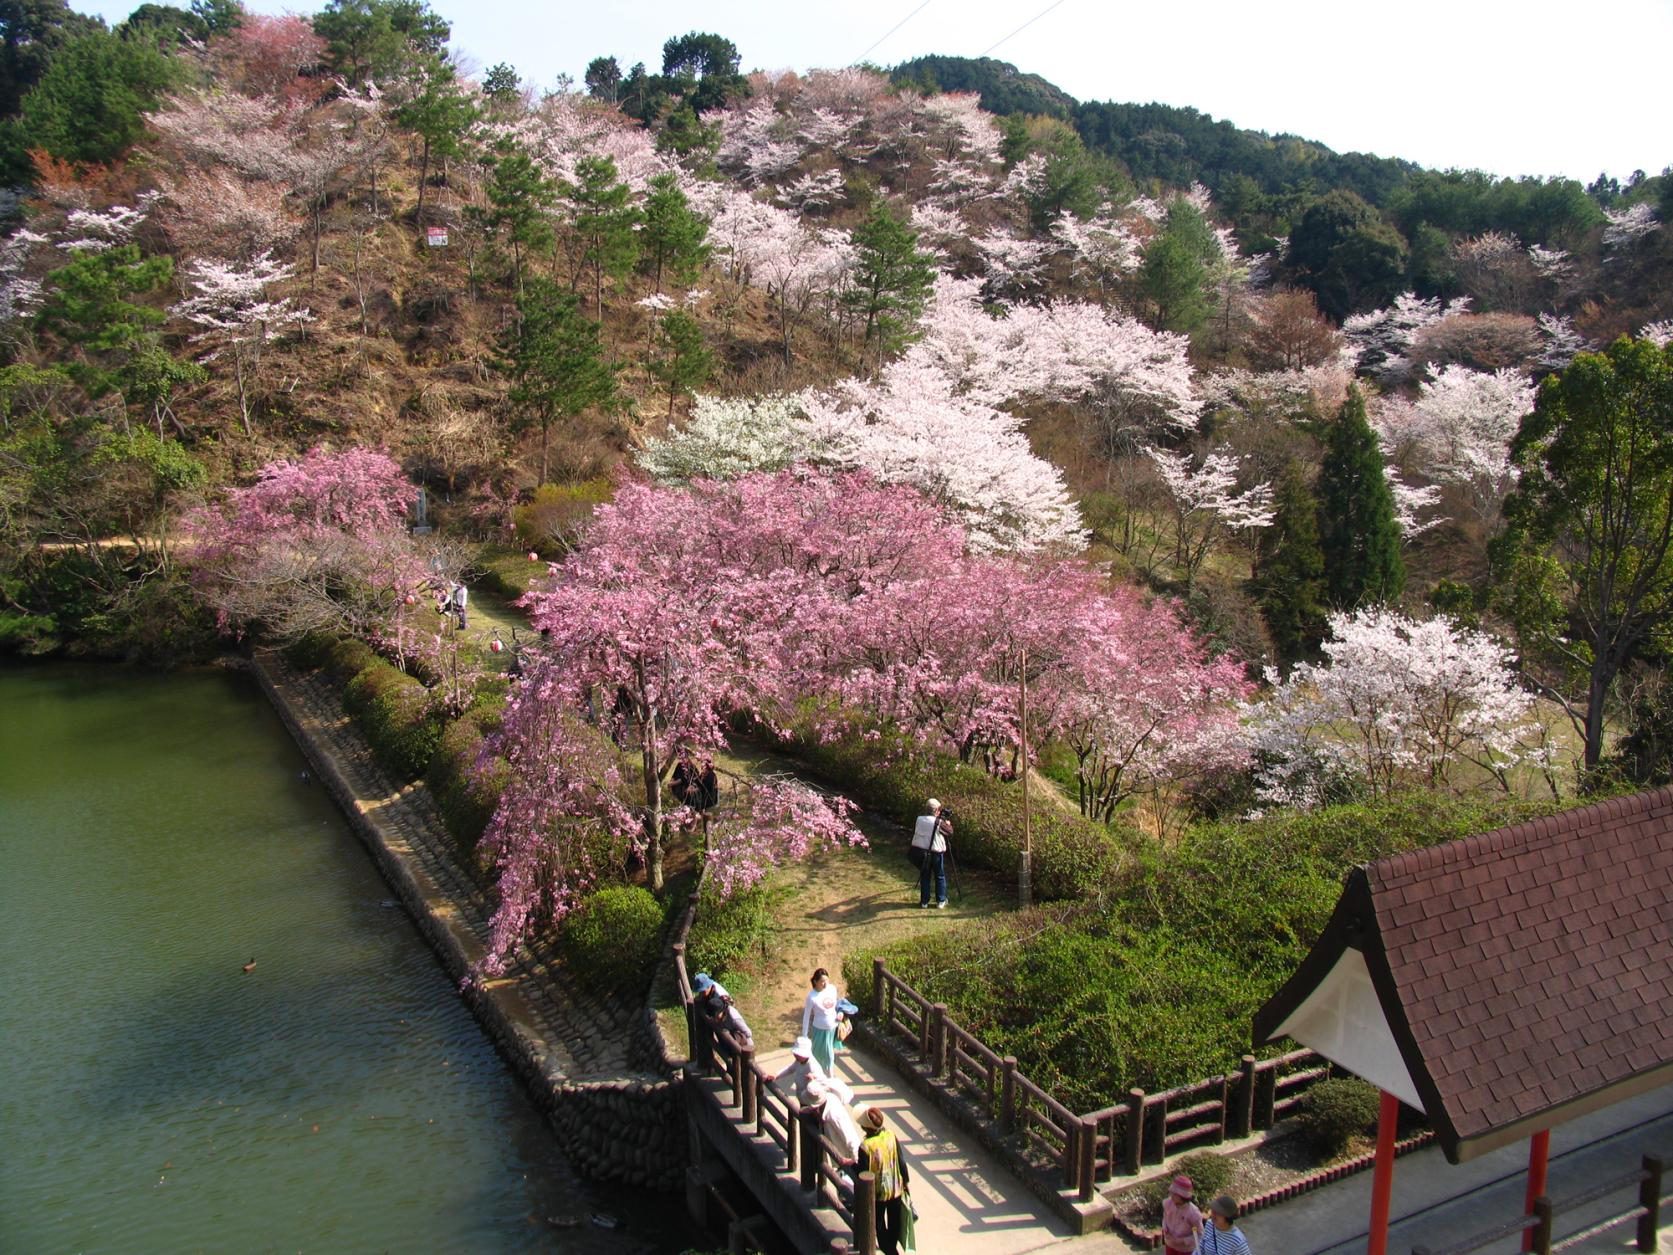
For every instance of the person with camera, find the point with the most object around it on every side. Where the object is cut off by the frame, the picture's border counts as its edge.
(930, 835)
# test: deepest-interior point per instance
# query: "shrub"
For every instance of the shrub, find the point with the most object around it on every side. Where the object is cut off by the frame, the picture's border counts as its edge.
(613, 939)
(727, 934)
(1156, 986)
(1072, 857)
(369, 684)
(312, 651)
(1336, 1111)
(348, 658)
(403, 729)
(466, 797)
(1211, 1175)
(553, 521)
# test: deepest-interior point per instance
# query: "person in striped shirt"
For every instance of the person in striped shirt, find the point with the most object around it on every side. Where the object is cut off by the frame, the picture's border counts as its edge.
(1221, 1236)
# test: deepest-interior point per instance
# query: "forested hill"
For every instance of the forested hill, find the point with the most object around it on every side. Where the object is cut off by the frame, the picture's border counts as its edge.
(1167, 144)
(1263, 183)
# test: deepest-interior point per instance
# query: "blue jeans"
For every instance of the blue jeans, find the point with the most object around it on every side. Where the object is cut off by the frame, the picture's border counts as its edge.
(935, 865)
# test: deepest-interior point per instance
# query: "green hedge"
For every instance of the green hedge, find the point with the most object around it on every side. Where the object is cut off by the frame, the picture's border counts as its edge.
(612, 940)
(727, 935)
(348, 658)
(395, 711)
(1156, 986)
(312, 651)
(467, 798)
(1072, 857)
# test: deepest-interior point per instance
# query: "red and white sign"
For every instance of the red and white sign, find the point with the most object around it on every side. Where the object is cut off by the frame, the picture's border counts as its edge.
(435, 237)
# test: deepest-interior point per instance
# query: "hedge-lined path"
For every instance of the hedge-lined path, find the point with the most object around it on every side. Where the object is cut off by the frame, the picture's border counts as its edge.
(589, 1036)
(839, 901)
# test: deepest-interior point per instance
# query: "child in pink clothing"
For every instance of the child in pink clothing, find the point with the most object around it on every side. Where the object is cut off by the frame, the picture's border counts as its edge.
(1181, 1221)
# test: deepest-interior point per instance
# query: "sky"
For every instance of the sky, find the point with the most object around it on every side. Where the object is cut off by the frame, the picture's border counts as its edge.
(1529, 88)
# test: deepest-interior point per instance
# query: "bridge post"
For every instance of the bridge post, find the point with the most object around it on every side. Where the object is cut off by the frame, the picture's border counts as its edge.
(1088, 1157)
(792, 1134)
(746, 1076)
(1649, 1198)
(812, 1152)
(1008, 1093)
(878, 994)
(1071, 1155)
(865, 1213)
(735, 1074)
(1132, 1154)
(938, 1040)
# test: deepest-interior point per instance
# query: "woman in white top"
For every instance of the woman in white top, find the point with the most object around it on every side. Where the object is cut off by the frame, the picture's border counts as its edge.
(819, 1019)
(837, 1119)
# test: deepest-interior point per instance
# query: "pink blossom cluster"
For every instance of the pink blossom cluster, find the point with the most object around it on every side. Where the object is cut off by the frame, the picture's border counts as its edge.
(832, 593)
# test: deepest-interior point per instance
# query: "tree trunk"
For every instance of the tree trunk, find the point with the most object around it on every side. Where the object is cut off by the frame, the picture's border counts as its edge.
(545, 425)
(1597, 692)
(423, 178)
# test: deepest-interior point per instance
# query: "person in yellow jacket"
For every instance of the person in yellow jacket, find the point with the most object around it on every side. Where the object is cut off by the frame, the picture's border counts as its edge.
(880, 1155)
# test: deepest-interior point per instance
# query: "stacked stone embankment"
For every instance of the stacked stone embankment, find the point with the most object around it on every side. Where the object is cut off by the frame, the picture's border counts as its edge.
(590, 1060)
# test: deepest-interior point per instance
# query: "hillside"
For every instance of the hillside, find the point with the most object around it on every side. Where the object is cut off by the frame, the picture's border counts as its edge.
(1074, 324)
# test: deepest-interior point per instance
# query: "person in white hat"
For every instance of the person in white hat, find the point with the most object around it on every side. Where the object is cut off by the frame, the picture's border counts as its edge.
(803, 1069)
(931, 834)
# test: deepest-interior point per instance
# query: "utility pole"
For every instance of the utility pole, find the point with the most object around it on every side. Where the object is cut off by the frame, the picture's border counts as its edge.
(1025, 871)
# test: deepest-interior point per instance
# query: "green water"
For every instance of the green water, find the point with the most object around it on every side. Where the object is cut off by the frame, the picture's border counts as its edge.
(157, 833)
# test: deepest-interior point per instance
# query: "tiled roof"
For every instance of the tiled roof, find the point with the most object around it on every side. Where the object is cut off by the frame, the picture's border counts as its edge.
(1534, 963)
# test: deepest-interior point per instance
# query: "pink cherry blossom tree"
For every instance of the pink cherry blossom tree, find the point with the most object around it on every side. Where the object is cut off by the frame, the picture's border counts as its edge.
(315, 544)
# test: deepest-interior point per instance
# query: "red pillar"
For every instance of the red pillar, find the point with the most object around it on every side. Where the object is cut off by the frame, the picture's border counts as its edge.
(1382, 1175)
(1539, 1152)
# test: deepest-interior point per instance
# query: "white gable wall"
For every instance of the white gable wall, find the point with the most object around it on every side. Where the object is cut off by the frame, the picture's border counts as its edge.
(1343, 1020)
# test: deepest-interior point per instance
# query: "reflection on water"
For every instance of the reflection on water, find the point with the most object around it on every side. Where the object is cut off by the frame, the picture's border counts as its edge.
(156, 834)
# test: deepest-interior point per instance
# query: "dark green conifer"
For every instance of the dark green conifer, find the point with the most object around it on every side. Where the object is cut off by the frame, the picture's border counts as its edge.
(1289, 581)
(1357, 530)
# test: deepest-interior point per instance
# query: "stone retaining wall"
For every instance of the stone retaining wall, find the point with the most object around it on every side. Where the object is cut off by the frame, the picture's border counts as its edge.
(626, 1129)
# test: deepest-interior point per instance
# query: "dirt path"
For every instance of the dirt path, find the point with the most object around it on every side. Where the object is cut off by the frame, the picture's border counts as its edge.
(840, 901)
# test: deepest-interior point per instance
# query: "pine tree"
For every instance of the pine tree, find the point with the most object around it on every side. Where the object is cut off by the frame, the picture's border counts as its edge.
(1289, 579)
(437, 109)
(606, 220)
(556, 364)
(891, 279)
(675, 236)
(1357, 532)
(518, 197)
(686, 361)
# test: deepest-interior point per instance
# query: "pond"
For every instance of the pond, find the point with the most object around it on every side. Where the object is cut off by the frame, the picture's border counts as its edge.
(157, 834)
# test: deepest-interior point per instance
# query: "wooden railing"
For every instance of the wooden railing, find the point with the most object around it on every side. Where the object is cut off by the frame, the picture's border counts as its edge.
(1539, 1229)
(816, 1164)
(1117, 1140)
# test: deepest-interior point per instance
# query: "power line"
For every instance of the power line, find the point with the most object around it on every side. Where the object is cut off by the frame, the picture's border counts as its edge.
(903, 21)
(1019, 30)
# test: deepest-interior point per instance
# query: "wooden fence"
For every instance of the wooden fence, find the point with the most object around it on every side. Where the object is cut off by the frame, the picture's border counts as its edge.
(1539, 1229)
(810, 1158)
(1117, 1140)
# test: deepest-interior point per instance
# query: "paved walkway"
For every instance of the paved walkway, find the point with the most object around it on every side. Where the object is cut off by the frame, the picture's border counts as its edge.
(1437, 1203)
(588, 1036)
(967, 1201)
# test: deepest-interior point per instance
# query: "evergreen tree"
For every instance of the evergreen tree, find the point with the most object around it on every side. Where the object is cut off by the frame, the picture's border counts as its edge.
(554, 359)
(501, 84)
(87, 307)
(91, 101)
(518, 197)
(437, 109)
(891, 279)
(1289, 579)
(603, 78)
(1173, 279)
(1357, 531)
(675, 236)
(606, 221)
(376, 39)
(686, 361)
